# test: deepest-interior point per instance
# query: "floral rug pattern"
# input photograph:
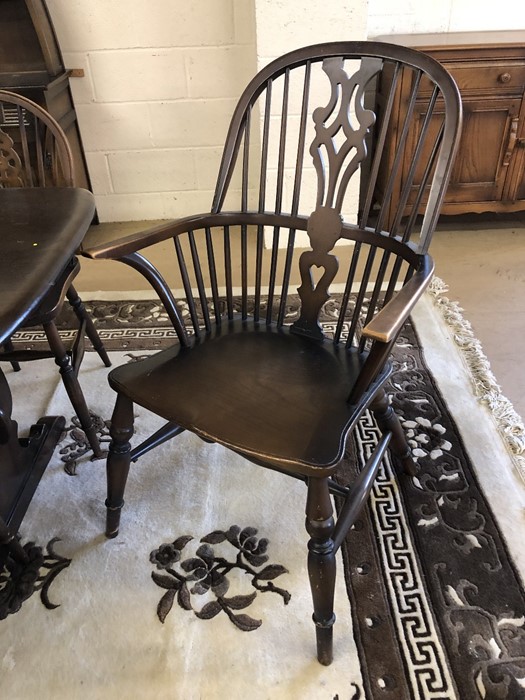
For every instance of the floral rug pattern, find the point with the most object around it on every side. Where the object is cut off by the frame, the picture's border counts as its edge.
(207, 572)
(437, 604)
(20, 579)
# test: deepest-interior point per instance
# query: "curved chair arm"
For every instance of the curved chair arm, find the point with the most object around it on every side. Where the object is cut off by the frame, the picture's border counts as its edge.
(133, 242)
(387, 323)
(116, 249)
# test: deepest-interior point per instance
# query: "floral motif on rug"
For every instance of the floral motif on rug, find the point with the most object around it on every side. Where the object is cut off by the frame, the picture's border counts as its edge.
(73, 443)
(20, 577)
(206, 574)
(438, 606)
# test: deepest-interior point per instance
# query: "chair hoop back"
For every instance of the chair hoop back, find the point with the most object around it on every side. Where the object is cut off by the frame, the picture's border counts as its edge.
(354, 73)
(34, 150)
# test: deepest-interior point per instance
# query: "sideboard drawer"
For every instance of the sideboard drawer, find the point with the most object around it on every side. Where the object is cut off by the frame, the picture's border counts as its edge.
(488, 76)
(485, 77)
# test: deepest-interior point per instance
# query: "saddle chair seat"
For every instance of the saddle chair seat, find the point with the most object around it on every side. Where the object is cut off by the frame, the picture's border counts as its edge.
(263, 391)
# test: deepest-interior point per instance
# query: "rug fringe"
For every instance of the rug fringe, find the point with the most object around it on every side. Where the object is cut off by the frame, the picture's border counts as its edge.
(486, 388)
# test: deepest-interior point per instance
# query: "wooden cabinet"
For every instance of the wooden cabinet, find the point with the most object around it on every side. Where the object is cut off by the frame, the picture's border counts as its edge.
(31, 64)
(489, 68)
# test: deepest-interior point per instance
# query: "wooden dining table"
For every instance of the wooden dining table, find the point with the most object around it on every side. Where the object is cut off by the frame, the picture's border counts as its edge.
(41, 229)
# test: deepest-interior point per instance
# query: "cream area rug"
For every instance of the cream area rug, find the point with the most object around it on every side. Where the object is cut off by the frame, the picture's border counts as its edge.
(204, 593)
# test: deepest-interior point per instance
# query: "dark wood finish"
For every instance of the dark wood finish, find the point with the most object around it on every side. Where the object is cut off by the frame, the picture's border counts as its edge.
(320, 525)
(40, 230)
(31, 65)
(121, 432)
(34, 152)
(489, 68)
(284, 395)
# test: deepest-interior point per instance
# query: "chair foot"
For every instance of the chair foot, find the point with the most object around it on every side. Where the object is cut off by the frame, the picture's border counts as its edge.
(406, 463)
(9, 347)
(92, 438)
(112, 520)
(324, 636)
(320, 526)
(118, 462)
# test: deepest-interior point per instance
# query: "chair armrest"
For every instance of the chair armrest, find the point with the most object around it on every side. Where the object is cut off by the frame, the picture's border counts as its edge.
(133, 242)
(385, 326)
(387, 323)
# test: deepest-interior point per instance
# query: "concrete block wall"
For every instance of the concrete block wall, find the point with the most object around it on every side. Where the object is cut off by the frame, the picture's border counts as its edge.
(414, 16)
(283, 25)
(161, 80)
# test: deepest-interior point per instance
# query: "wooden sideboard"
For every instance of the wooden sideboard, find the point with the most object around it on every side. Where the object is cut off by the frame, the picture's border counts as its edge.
(489, 68)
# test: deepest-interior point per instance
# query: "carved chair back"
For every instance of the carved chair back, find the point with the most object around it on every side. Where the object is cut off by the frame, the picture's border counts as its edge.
(34, 151)
(303, 169)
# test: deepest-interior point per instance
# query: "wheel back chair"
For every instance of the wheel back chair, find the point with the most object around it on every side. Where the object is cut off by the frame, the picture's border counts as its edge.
(34, 152)
(286, 394)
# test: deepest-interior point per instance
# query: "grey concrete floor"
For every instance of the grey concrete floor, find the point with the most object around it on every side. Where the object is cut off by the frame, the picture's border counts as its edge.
(481, 258)
(483, 263)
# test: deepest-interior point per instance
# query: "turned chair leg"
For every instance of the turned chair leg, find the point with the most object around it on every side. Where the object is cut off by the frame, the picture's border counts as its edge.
(321, 564)
(9, 347)
(388, 421)
(118, 462)
(91, 331)
(72, 386)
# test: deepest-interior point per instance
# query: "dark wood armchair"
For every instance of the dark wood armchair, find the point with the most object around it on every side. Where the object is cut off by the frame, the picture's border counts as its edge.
(286, 396)
(34, 152)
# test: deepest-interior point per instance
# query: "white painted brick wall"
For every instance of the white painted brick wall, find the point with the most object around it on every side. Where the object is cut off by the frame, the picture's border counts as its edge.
(414, 16)
(162, 77)
(189, 121)
(101, 25)
(161, 81)
(283, 25)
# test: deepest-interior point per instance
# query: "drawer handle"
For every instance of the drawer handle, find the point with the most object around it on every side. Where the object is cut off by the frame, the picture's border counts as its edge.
(513, 137)
(504, 77)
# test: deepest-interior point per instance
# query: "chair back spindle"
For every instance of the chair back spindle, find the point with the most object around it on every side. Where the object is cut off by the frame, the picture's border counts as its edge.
(304, 170)
(34, 151)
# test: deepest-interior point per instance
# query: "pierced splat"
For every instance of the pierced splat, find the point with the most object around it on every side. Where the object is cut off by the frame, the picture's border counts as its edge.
(324, 227)
(10, 163)
(344, 148)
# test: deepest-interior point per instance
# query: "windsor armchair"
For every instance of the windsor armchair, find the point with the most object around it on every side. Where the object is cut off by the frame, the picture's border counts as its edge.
(283, 394)
(34, 152)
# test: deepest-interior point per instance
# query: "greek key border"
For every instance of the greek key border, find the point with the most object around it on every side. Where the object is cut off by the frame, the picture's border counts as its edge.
(427, 665)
